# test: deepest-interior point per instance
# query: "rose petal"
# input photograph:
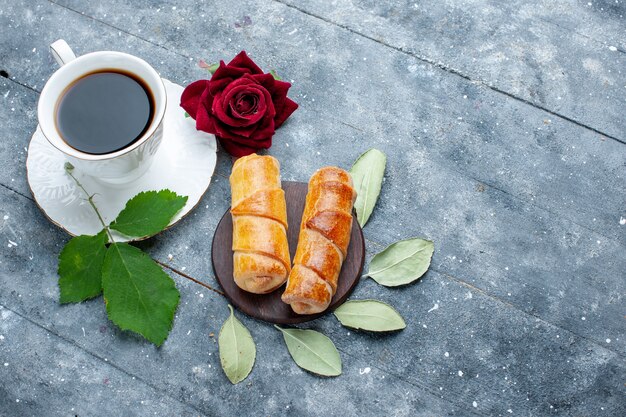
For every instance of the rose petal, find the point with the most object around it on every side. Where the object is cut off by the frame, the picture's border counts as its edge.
(235, 89)
(238, 150)
(234, 133)
(218, 92)
(190, 98)
(241, 120)
(206, 99)
(266, 127)
(258, 131)
(215, 86)
(244, 132)
(204, 121)
(288, 108)
(242, 60)
(260, 143)
(221, 109)
(283, 105)
(266, 80)
(243, 105)
(221, 129)
(279, 97)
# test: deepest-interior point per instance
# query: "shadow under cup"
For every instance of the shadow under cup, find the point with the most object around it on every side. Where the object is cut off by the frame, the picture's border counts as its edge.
(123, 165)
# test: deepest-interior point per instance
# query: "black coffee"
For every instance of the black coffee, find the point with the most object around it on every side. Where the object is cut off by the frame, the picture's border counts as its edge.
(104, 112)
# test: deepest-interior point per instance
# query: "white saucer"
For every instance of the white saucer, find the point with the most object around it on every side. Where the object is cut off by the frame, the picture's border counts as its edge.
(184, 164)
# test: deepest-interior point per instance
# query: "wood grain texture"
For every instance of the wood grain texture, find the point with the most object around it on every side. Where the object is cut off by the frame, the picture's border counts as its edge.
(269, 307)
(529, 202)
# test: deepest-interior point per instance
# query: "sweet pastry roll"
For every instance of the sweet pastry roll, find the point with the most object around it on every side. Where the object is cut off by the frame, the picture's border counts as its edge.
(323, 241)
(261, 261)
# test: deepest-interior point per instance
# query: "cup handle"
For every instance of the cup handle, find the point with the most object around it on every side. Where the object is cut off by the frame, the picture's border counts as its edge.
(62, 52)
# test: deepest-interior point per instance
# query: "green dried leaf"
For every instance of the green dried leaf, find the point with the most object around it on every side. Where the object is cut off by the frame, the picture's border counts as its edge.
(312, 351)
(80, 268)
(402, 262)
(275, 75)
(148, 213)
(367, 172)
(139, 296)
(237, 349)
(371, 315)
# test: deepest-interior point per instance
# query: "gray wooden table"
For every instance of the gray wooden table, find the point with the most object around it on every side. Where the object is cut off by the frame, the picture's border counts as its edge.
(505, 131)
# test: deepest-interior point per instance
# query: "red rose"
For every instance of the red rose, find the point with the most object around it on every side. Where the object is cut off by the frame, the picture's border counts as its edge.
(240, 105)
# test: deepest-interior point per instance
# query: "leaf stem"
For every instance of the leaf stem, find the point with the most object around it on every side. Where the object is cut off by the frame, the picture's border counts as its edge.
(69, 168)
(189, 277)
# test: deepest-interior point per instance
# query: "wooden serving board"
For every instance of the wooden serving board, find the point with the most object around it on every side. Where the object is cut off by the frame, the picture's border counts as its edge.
(269, 307)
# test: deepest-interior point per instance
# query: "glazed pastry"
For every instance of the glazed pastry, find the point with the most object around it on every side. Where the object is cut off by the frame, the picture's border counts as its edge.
(323, 242)
(260, 250)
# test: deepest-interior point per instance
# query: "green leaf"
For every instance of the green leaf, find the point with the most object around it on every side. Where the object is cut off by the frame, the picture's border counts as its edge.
(139, 296)
(275, 75)
(402, 262)
(80, 268)
(148, 213)
(187, 115)
(367, 173)
(209, 67)
(312, 351)
(237, 350)
(213, 67)
(371, 315)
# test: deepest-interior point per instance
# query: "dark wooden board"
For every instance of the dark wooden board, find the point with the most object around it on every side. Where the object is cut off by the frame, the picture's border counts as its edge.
(269, 307)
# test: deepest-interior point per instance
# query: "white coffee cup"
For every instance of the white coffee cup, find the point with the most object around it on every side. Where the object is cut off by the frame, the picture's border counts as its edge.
(117, 167)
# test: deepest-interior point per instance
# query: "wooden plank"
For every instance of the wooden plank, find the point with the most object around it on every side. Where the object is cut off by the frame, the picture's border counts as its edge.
(43, 374)
(463, 125)
(544, 187)
(187, 366)
(483, 335)
(557, 272)
(522, 362)
(561, 56)
(477, 350)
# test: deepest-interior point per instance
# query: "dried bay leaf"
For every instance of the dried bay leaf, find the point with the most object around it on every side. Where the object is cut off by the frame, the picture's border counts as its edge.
(367, 172)
(237, 349)
(371, 315)
(402, 262)
(312, 351)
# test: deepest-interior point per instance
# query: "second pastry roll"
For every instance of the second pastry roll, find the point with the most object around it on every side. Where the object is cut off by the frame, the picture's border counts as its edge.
(323, 242)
